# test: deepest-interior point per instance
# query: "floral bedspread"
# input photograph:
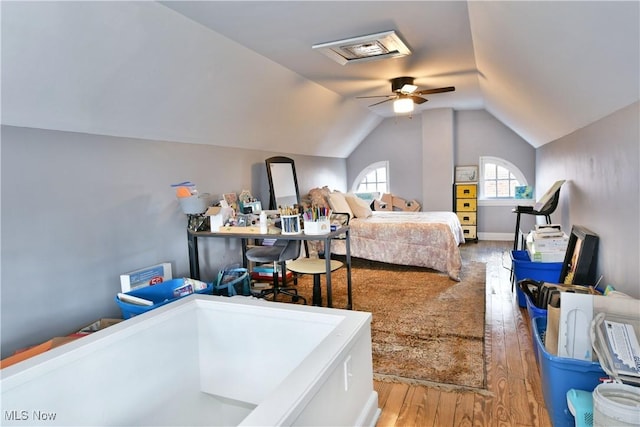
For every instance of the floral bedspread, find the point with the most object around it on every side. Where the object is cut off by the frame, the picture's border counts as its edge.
(422, 239)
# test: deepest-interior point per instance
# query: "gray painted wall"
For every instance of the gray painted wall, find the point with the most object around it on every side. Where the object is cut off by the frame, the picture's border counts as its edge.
(601, 165)
(397, 140)
(437, 159)
(79, 209)
(476, 133)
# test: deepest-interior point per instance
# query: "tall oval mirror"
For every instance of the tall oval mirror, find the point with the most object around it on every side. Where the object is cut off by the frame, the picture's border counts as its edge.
(283, 183)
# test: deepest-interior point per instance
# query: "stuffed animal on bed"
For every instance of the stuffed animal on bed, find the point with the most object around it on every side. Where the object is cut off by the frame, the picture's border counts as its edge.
(317, 197)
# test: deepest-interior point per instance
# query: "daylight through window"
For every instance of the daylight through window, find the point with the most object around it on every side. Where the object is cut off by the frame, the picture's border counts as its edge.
(499, 178)
(374, 178)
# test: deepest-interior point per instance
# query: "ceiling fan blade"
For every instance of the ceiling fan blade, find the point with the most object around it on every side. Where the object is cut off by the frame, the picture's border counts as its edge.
(378, 103)
(437, 90)
(375, 96)
(418, 99)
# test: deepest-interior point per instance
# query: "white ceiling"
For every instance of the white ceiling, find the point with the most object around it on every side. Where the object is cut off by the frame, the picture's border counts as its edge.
(244, 74)
(438, 34)
(544, 68)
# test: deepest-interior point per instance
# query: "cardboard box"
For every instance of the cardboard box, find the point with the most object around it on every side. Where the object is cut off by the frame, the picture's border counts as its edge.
(146, 276)
(29, 352)
(98, 325)
(218, 216)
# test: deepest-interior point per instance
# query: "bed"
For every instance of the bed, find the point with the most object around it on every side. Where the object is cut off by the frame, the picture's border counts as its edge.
(421, 239)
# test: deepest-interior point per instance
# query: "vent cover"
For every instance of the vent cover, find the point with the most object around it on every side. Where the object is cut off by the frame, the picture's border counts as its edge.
(365, 48)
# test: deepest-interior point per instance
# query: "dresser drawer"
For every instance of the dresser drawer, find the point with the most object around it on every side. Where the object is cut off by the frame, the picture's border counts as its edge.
(469, 231)
(466, 205)
(466, 191)
(467, 218)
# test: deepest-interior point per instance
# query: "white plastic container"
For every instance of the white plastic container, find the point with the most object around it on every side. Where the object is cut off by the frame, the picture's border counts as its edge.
(264, 227)
(181, 364)
(322, 226)
(290, 224)
(616, 404)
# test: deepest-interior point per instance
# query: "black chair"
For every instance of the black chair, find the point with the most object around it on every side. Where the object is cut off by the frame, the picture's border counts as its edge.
(280, 252)
(545, 211)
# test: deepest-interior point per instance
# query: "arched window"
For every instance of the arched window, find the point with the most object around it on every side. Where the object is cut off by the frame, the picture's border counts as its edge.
(373, 178)
(499, 178)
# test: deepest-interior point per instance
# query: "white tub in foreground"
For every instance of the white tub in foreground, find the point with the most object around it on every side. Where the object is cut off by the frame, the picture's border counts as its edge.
(204, 361)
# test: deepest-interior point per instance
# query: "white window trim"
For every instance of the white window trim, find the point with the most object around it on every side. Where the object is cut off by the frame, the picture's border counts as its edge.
(373, 166)
(483, 201)
(506, 202)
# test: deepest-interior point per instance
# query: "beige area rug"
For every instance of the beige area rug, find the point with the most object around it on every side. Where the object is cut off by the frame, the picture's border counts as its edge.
(426, 328)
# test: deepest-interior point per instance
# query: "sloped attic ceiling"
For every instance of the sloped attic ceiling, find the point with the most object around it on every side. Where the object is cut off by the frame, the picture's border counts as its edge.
(243, 73)
(550, 68)
(139, 69)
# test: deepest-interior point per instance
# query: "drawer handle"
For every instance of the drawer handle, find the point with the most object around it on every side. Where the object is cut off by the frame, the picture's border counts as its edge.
(467, 191)
(465, 218)
(466, 205)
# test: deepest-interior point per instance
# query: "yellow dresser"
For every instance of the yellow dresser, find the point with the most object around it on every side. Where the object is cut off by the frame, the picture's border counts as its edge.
(466, 206)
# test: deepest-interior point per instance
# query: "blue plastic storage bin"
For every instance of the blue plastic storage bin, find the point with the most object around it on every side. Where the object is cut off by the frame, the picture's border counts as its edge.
(524, 268)
(533, 310)
(522, 301)
(533, 332)
(160, 294)
(559, 375)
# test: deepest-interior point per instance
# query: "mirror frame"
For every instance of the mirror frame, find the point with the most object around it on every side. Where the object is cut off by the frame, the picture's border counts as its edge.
(272, 190)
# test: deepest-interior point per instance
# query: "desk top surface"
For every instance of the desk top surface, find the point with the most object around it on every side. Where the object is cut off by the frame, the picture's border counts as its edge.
(274, 233)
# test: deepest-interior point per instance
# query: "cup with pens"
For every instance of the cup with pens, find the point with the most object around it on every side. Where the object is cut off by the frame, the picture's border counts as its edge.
(290, 221)
(316, 220)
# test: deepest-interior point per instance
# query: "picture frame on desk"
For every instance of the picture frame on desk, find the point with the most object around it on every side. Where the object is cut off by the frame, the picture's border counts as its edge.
(466, 174)
(231, 199)
(580, 261)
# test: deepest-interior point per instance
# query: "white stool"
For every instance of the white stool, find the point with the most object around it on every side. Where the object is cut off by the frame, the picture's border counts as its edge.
(315, 266)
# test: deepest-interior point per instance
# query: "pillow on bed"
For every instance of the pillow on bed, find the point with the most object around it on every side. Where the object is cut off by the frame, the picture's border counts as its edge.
(338, 203)
(359, 207)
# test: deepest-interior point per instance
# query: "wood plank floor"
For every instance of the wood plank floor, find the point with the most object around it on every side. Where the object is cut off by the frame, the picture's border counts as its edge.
(514, 395)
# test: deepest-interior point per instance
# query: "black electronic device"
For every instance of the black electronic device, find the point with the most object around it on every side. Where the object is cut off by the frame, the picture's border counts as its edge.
(581, 258)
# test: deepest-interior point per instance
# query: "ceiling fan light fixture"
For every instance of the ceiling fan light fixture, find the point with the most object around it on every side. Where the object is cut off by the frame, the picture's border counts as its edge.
(403, 105)
(405, 94)
(408, 88)
(364, 48)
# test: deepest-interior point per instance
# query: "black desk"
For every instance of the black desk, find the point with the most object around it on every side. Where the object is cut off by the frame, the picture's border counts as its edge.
(340, 233)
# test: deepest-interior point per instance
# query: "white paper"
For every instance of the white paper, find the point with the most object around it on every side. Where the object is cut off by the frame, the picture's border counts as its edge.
(576, 314)
(624, 347)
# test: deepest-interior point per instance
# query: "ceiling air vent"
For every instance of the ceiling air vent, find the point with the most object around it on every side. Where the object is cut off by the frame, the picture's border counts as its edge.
(365, 48)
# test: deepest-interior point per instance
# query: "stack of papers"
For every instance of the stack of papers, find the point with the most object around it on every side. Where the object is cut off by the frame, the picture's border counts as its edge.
(623, 347)
(547, 243)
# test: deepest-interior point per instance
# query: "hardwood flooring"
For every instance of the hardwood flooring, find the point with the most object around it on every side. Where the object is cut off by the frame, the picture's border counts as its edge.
(514, 395)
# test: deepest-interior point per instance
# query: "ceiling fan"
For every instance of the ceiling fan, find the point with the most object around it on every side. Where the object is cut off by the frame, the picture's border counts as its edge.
(406, 94)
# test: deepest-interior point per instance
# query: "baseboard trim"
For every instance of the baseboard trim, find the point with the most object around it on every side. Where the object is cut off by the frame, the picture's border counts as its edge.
(370, 412)
(495, 236)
